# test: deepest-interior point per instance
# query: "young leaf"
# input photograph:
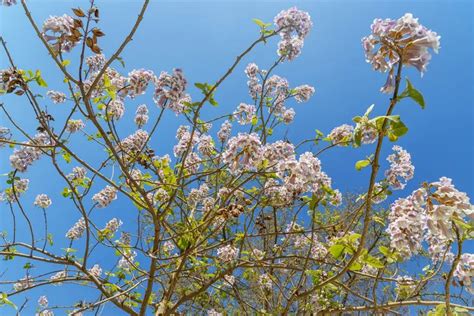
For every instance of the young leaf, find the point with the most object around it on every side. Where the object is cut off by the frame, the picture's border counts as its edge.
(414, 94)
(336, 250)
(362, 164)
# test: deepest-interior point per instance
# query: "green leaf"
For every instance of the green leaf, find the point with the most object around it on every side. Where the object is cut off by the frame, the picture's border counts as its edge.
(260, 23)
(355, 266)
(398, 128)
(359, 165)
(369, 110)
(374, 262)
(65, 62)
(414, 94)
(379, 220)
(254, 120)
(336, 250)
(67, 157)
(385, 251)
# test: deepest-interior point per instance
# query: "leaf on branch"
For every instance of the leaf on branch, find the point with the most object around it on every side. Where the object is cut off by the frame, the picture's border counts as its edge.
(359, 165)
(65, 62)
(336, 250)
(260, 23)
(413, 93)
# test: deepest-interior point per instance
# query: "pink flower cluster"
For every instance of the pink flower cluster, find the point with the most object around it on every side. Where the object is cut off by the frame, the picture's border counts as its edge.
(170, 91)
(341, 135)
(77, 230)
(293, 26)
(105, 196)
(404, 38)
(138, 81)
(74, 125)
(243, 152)
(133, 143)
(8, 2)
(24, 157)
(59, 30)
(141, 115)
(429, 216)
(465, 271)
(245, 113)
(96, 62)
(227, 253)
(56, 96)
(42, 201)
(400, 167)
(224, 132)
(407, 223)
(185, 140)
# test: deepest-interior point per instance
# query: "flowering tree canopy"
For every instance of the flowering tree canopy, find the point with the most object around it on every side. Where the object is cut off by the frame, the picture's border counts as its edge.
(236, 219)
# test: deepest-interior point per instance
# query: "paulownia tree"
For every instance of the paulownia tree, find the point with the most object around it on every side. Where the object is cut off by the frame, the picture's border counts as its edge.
(234, 221)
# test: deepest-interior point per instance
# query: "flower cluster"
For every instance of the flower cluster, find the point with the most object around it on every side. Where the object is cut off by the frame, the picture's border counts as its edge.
(76, 231)
(96, 271)
(293, 25)
(170, 91)
(43, 301)
(303, 93)
(24, 157)
(206, 145)
(141, 115)
(138, 81)
(197, 195)
(77, 173)
(115, 109)
(23, 283)
(213, 312)
(74, 125)
(243, 152)
(341, 135)
(96, 62)
(465, 271)
(400, 167)
(265, 281)
(105, 196)
(11, 194)
(300, 175)
(253, 83)
(224, 132)
(56, 96)
(392, 40)
(168, 246)
(407, 222)
(445, 203)
(127, 260)
(61, 33)
(288, 116)
(43, 201)
(8, 2)
(227, 253)
(428, 216)
(186, 140)
(112, 226)
(134, 143)
(58, 276)
(160, 196)
(245, 113)
(5, 135)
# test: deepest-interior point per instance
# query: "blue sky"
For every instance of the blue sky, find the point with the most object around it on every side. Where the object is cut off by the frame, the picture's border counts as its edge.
(203, 38)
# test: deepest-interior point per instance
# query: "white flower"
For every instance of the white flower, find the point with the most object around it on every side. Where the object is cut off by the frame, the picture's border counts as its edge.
(42, 200)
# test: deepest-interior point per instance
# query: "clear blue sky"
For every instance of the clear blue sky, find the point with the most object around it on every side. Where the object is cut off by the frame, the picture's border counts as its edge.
(203, 37)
